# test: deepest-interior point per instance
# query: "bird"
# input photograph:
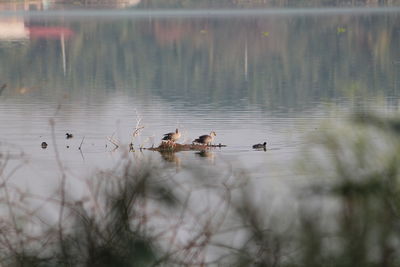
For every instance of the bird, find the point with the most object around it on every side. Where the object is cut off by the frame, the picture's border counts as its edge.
(44, 145)
(263, 145)
(172, 136)
(205, 139)
(69, 135)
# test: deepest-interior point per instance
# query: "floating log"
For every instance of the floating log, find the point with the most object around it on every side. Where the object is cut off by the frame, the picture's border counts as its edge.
(176, 147)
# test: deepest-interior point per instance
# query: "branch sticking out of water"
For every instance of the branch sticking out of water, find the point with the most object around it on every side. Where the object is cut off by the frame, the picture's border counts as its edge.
(113, 141)
(80, 146)
(136, 132)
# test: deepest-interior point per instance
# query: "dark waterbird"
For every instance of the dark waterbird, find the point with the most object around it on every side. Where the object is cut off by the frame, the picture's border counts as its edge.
(257, 146)
(69, 135)
(44, 145)
(172, 136)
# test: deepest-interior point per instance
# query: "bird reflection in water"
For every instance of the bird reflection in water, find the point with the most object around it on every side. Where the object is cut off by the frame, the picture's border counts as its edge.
(171, 157)
(206, 154)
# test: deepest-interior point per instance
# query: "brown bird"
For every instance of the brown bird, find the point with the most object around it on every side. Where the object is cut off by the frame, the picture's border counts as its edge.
(172, 136)
(205, 139)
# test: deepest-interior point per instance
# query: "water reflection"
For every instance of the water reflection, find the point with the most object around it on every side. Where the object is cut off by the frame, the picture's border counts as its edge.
(191, 62)
(170, 157)
(14, 28)
(207, 155)
(260, 76)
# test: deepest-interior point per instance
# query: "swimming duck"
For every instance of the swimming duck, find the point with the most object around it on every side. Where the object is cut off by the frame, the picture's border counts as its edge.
(69, 135)
(263, 145)
(205, 139)
(44, 145)
(172, 136)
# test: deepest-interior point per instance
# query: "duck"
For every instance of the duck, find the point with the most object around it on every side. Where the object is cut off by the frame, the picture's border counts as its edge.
(172, 136)
(205, 139)
(263, 145)
(44, 145)
(69, 135)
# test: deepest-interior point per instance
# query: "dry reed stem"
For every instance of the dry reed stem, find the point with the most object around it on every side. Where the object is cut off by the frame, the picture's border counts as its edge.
(80, 145)
(62, 187)
(113, 141)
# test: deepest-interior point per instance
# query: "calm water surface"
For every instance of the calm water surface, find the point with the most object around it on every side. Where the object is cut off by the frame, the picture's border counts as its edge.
(250, 78)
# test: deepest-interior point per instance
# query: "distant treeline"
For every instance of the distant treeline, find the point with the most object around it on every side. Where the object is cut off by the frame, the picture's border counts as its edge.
(235, 3)
(263, 3)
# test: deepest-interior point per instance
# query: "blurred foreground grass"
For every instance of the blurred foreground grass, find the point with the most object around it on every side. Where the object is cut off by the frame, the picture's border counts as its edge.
(139, 215)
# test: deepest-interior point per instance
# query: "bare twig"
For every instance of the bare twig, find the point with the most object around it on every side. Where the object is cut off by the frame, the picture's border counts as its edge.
(83, 157)
(113, 141)
(80, 146)
(137, 131)
(12, 213)
(62, 187)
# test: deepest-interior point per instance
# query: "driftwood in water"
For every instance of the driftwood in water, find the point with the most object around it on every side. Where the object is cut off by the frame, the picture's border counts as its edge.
(175, 147)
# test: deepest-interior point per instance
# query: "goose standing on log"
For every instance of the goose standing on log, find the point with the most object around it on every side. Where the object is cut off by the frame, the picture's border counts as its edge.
(172, 136)
(205, 139)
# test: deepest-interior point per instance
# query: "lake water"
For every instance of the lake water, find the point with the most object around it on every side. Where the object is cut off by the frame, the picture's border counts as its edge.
(249, 75)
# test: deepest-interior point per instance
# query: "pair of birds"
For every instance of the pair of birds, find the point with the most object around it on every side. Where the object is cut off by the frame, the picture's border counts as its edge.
(203, 139)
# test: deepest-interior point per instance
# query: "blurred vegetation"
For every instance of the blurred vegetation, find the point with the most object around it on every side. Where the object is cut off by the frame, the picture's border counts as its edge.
(191, 59)
(347, 214)
(362, 175)
(107, 228)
